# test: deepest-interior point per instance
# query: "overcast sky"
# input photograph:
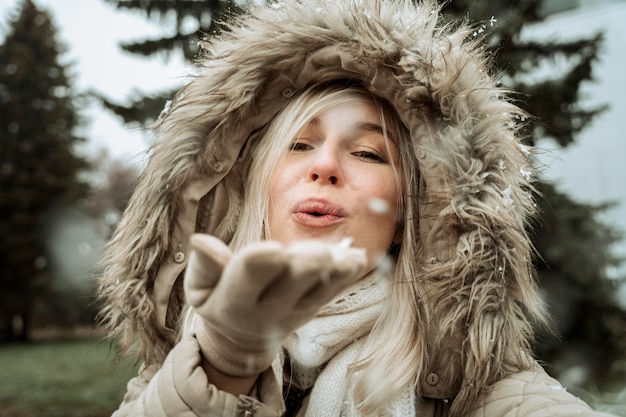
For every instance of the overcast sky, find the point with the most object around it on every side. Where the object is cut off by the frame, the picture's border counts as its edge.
(593, 169)
(92, 30)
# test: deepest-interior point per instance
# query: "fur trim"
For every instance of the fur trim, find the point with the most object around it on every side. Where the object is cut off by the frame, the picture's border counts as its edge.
(429, 73)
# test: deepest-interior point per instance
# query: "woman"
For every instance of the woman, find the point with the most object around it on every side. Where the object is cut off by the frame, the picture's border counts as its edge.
(358, 200)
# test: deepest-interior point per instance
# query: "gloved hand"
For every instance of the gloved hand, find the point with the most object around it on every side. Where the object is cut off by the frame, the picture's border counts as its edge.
(439, 231)
(247, 303)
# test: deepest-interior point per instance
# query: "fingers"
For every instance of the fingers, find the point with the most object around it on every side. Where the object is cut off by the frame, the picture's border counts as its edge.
(316, 273)
(253, 269)
(265, 292)
(216, 252)
(305, 265)
(208, 258)
(266, 279)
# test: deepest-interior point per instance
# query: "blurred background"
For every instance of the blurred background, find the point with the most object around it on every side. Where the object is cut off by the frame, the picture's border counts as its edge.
(82, 81)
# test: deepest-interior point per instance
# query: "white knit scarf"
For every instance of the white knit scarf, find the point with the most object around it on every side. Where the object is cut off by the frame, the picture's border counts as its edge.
(331, 342)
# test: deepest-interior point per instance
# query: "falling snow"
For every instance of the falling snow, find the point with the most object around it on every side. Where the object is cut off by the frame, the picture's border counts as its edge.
(378, 206)
(506, 194)
(526, 174)
(166, 109)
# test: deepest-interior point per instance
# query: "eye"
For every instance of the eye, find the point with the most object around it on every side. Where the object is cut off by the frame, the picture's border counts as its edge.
(370, 156)
(299, 146)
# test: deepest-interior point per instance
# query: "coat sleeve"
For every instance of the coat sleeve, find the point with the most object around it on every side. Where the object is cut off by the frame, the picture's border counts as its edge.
(533, 394)
(180, 388)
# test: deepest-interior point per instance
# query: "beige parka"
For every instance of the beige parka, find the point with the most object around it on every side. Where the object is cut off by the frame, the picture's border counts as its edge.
(194, 182)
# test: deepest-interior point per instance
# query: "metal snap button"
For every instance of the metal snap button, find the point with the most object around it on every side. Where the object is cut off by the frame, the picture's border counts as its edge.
(432, 378)
(218, 166)
(288, 92)
(179, 257)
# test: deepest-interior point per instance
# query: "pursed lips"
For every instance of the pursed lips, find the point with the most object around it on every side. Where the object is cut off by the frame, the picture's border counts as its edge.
(318, 212)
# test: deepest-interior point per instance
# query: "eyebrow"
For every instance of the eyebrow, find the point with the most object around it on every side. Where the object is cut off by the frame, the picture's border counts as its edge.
(364, 126)
(373, 127)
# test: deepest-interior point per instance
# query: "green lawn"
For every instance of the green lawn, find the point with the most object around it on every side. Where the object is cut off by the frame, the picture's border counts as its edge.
(76, 378)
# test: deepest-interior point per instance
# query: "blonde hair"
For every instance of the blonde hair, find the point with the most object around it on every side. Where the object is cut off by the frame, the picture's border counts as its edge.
(398, 363)
(396, 350)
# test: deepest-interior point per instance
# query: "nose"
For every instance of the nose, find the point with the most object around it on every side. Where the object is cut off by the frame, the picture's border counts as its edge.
(325, 166)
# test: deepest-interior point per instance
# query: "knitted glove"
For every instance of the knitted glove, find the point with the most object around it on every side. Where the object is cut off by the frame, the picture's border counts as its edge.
(438, 225)
(247, 303)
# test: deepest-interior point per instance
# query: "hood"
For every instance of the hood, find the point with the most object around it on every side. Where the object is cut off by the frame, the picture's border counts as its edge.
(427, 71)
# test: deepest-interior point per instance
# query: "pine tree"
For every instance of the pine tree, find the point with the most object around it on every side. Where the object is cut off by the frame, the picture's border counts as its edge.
(190, 21)
(39, 170)
(574, 246)
(553, 101)
(588, 316)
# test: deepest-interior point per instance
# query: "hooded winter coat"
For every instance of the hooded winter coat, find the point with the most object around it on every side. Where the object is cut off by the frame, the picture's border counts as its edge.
(481, 297)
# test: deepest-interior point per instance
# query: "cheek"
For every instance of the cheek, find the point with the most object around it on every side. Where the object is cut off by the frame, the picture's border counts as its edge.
(278, 190)
(388, 206)
(275, 194)
(385, 198)
(277, 178)
(279, 194)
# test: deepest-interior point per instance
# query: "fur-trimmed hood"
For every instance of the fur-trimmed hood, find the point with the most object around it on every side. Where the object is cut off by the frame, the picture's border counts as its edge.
(483, 298)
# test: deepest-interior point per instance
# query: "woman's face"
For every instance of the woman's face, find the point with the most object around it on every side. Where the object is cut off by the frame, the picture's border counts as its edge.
(337, 181)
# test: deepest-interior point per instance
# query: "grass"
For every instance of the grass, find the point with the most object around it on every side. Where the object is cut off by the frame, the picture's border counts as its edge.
(72, 378)
(77, 378)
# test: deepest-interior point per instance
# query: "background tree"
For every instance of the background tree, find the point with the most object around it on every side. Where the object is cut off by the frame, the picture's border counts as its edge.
(113, 181)
(39, 170)
(574, 246)
(189, 20)
(78, 234)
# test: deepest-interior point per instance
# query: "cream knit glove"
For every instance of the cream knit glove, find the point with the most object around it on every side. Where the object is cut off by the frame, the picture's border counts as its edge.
(248, 303)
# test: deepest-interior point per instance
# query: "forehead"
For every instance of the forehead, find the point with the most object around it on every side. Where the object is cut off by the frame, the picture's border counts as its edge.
(357, 118)
(349, 113)
(308, 110)
(355, 113)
